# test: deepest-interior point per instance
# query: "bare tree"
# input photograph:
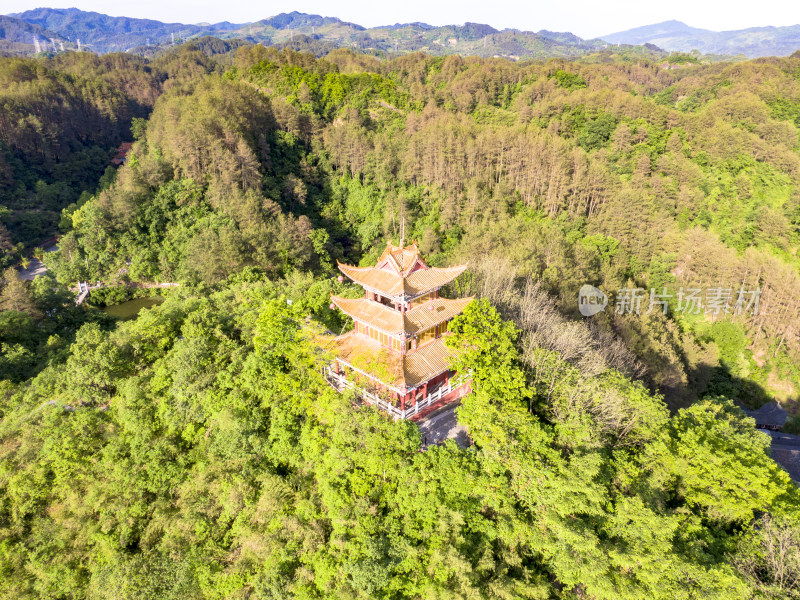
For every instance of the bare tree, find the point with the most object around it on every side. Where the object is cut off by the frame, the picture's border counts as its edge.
(526, 302)
(769, 556)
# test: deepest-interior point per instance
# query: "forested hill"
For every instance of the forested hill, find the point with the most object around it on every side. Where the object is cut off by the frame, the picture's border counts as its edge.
(196, 451)
(62, 118)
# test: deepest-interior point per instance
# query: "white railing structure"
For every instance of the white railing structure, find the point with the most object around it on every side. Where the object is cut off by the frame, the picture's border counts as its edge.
(340, 382)
(83, 291)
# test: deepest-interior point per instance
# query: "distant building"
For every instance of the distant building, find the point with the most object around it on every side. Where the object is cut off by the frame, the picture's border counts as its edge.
(122, 154)
(395, 357)
(770, 416)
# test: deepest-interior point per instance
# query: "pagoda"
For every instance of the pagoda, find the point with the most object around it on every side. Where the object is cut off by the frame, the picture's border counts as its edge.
(395, 355)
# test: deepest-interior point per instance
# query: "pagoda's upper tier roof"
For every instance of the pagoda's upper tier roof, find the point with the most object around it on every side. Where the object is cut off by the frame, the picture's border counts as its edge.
(401, 273)
(393, 322)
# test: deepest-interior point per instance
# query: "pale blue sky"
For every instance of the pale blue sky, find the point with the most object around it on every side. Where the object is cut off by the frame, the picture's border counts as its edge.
(586, 18)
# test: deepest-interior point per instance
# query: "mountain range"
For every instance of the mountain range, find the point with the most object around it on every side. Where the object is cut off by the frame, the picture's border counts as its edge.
(104, 33)
(676, 36)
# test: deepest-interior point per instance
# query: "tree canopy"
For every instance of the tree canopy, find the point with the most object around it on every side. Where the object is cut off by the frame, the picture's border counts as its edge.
(196, 451)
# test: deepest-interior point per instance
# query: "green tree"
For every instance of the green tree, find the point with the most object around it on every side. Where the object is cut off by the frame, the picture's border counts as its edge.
(15, 294)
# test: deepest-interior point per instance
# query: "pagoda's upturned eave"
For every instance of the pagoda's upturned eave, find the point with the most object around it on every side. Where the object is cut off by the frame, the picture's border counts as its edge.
(360, 274)
(398, 287)
(410, 322)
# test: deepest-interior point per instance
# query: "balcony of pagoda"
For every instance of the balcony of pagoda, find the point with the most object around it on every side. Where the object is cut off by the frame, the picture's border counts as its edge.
(409, 404)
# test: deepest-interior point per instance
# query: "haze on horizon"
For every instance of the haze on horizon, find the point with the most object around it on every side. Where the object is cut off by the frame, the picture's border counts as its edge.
(586, 18)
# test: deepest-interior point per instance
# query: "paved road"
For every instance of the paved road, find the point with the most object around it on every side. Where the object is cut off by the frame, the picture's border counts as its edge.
(785, 451)
(443, 425)
(35, 268)
(785, 440)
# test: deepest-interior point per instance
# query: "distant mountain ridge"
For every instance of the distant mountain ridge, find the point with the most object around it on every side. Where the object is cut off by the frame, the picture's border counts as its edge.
(646, 33)
(677, 36)
(298, 20)
(104, 33)
(18, 37)
(22, 32)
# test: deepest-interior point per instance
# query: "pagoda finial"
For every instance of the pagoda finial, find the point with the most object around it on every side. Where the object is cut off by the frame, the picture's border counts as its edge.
(402, 232)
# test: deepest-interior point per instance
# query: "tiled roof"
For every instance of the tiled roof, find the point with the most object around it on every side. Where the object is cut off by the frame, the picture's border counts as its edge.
(389, 366)
(425, 280)
(378, 280)
(372, 313)
(392, 285)
(785, 450)
(769, 414)
(433, 312)
(425, 362)
(421, 317)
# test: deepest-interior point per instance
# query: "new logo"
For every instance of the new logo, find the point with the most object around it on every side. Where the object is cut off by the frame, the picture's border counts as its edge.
(591, 300)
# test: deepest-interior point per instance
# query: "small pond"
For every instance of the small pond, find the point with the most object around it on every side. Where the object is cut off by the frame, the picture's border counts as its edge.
(129, 310)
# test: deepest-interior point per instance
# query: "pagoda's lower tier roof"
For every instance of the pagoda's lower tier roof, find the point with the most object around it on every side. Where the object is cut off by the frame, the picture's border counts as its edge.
(390, 367)
(426, 362)
(421, 317)
(393, 285)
